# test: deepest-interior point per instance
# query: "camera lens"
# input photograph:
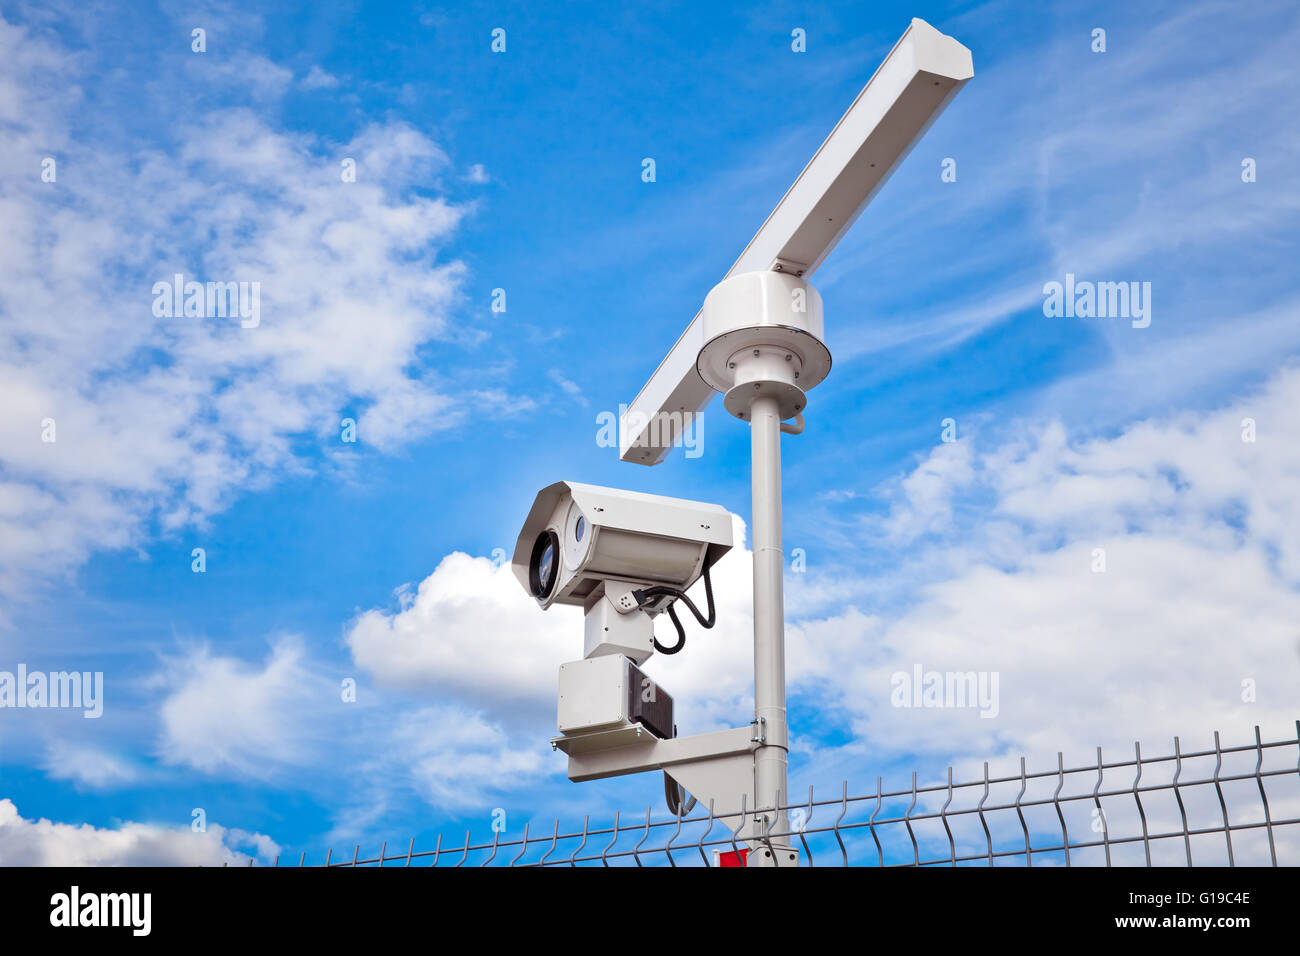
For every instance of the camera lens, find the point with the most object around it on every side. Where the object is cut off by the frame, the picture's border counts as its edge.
(579, 528)
(544, 566)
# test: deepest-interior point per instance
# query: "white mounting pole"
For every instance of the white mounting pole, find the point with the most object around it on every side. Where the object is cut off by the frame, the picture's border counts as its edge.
(764, 348)
(772, 755)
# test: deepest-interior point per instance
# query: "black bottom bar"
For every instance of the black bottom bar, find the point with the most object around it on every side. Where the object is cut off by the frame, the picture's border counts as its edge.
(326, 906)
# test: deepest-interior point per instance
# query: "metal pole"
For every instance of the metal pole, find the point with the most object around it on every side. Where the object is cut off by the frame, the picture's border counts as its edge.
(769, 610)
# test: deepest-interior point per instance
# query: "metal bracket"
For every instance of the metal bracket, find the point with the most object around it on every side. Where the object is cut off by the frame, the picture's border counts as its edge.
(789, 265)
(628, 735)
(717, 766)
(760, 736)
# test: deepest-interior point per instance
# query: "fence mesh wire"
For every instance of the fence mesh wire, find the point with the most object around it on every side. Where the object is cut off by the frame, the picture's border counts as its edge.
(1226, 806)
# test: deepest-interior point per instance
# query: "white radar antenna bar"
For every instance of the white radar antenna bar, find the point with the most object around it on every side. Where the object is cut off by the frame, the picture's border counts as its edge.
(909, 90)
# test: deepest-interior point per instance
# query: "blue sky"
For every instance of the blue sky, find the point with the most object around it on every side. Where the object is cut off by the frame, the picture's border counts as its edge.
(522, 171)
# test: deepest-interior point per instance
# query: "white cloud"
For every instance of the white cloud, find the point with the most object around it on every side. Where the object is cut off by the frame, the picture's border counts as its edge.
(255, 73)
(25, 842)
(455, 758)
(568, 386)
(88, 766)
(472, 632)
(286, 719)
(449, 756)
(283, 721)
(222, 715)
(469, 629)
(318, 79)
(929, 490)
(1201, 538)
(168, 419)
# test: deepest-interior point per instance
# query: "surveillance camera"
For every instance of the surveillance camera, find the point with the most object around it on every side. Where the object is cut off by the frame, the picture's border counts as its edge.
(622, 555)
(578, 536)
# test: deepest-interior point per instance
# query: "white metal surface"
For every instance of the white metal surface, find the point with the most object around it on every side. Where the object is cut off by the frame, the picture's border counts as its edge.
(764, 337)
(774, 858)
(759, 308)
(593, 695)
(725, 781)
(771, 758)
(628, 536)
(909, 90)
(609, 630)
(616, 738)
(717, 766)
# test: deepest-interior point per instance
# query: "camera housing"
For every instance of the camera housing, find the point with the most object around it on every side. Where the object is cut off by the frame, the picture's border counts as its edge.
(592, 546)
(577, 537)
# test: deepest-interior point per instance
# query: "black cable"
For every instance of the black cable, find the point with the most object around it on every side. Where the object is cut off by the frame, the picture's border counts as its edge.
(674, 794)
(681, 636)
(645, 595)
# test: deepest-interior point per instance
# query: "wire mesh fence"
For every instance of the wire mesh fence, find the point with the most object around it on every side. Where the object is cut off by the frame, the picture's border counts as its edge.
(1225, 806)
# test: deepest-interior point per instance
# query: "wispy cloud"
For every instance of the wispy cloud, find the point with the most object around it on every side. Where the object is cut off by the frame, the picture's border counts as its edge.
(318, 79)
(89, 767)
(124, 417)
